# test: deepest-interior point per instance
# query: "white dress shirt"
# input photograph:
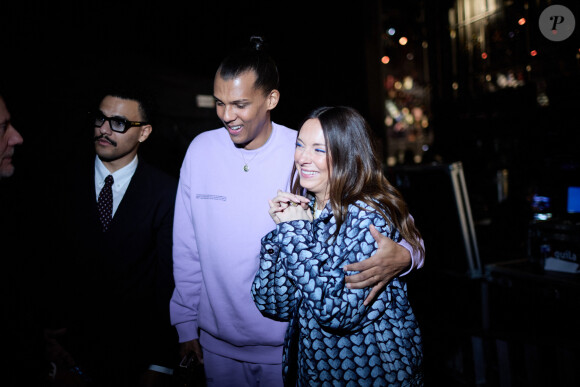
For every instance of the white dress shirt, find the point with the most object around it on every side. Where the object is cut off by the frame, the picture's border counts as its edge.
(121, 178)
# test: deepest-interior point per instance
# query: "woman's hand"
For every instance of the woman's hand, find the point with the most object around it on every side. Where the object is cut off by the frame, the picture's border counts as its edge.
(287, 206)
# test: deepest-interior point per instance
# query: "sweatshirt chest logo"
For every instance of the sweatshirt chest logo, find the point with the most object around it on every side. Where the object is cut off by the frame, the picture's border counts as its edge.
(210, 197)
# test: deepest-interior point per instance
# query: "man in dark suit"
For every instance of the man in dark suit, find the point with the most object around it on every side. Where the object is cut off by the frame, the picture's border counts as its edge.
(114, 277)
(22, 343)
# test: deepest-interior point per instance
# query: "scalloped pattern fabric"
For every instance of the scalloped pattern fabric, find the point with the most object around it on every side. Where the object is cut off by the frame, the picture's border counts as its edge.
(333, 339)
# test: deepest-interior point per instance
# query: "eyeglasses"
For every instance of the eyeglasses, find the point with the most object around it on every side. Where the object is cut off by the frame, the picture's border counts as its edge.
(117, 124)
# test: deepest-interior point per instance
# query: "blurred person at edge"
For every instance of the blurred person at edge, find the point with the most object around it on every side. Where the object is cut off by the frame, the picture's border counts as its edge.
(23, 343)
(9, 138)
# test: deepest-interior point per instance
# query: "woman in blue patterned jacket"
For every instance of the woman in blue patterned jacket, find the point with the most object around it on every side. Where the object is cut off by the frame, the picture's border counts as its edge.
(338, 191)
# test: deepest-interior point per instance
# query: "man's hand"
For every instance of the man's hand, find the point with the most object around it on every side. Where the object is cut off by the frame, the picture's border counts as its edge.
(378, 270)
(191, 346)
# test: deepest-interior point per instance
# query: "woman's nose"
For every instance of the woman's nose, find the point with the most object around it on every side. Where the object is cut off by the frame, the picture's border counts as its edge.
(304, 156)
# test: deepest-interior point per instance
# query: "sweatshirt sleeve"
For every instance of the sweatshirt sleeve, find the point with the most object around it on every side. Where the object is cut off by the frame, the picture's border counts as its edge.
(184, 303)
(417, 258)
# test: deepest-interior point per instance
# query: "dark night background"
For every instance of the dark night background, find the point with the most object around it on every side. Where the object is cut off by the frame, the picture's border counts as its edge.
(55, 55)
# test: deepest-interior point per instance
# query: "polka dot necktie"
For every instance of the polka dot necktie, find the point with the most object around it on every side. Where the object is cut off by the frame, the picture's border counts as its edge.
(105, 203)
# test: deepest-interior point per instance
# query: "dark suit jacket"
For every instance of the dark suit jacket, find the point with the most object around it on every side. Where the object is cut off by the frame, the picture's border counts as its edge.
(115, 286)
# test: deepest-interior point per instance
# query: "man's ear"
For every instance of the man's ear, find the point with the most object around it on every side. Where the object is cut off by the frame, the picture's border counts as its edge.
(145, 132)
(273, 98)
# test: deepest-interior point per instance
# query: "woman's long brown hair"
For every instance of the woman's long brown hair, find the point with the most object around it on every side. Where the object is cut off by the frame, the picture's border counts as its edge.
(357, 173)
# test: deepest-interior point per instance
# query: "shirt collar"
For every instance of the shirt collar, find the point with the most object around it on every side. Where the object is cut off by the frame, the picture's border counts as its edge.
(121, 176)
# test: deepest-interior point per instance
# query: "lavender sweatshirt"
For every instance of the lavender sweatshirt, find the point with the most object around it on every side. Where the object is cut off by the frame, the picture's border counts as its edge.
(221, 215)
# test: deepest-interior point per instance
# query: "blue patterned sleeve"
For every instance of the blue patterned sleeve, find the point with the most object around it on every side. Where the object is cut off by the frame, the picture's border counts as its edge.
(273, 293)
(316, 268)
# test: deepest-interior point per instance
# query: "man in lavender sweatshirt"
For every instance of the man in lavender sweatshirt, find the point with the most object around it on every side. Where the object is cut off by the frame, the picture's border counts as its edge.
(221, 214)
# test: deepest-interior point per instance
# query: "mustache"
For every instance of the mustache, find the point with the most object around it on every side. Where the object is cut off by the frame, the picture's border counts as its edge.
(97, 138)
